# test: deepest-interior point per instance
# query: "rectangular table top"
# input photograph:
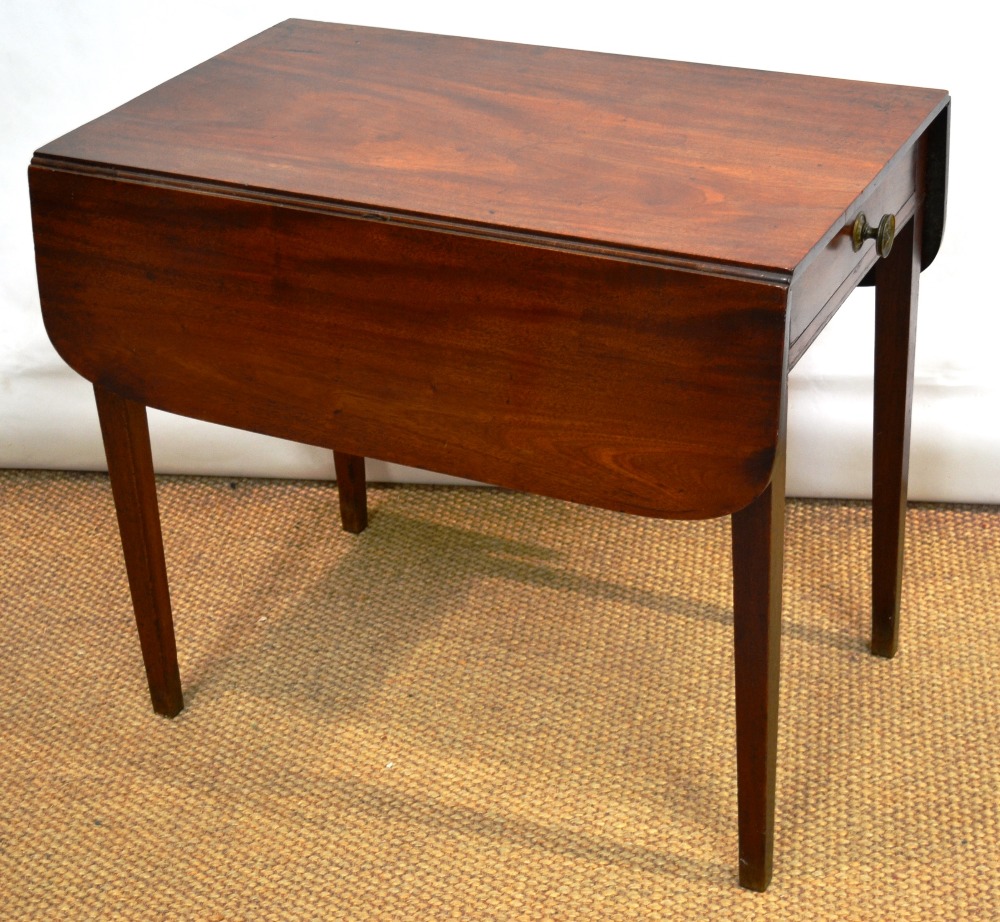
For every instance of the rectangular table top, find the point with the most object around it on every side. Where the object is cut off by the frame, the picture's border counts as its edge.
(740, 168)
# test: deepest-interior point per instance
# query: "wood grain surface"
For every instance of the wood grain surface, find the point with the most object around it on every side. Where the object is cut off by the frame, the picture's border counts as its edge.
(740, 167)
(628, 386)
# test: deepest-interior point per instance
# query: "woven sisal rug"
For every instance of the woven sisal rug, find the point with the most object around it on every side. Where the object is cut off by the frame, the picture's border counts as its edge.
(487, 706)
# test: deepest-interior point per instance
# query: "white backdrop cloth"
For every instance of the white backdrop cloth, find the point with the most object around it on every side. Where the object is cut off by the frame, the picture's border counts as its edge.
(63, 63)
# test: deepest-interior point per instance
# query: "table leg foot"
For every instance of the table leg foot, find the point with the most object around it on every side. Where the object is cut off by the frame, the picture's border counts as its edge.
(896, 287)
(758, 538)
(353, 494)
(130, 468)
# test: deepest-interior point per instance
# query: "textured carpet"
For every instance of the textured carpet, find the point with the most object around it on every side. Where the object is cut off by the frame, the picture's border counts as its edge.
(487, 706)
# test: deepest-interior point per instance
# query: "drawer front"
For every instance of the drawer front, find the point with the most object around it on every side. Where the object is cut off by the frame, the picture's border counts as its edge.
(835, 271)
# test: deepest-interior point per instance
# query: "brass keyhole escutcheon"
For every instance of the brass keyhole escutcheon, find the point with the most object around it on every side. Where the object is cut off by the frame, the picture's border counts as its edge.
(883, 235)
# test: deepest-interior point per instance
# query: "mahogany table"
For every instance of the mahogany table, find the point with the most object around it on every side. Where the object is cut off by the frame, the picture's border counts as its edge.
(575, 274)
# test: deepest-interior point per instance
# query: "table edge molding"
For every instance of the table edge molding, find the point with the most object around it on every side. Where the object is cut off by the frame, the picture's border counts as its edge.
(362, 212)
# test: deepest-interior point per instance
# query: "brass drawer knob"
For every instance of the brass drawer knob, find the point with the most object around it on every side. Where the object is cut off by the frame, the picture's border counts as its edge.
(883, 235)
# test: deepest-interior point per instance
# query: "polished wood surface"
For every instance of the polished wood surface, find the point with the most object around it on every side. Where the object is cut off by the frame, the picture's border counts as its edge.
(634, 387)
(738, 167)
(895, 340)
(574, 274)
(130, 467)
(758, 555)
(350, 470)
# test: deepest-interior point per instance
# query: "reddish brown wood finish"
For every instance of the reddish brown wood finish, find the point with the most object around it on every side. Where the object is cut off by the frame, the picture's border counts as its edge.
(572, 274)
(896, 289)
(838, 269)
(578, 376)
(723, 164)
(130, 467)
(758, 553)
(353, 491)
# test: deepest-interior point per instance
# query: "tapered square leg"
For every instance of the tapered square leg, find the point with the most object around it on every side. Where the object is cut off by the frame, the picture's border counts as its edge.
(896, 288)
(758, 539)
(353, 492)
(130, 467)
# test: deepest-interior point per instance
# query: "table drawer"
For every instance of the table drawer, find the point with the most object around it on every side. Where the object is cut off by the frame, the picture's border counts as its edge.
(833, 272)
